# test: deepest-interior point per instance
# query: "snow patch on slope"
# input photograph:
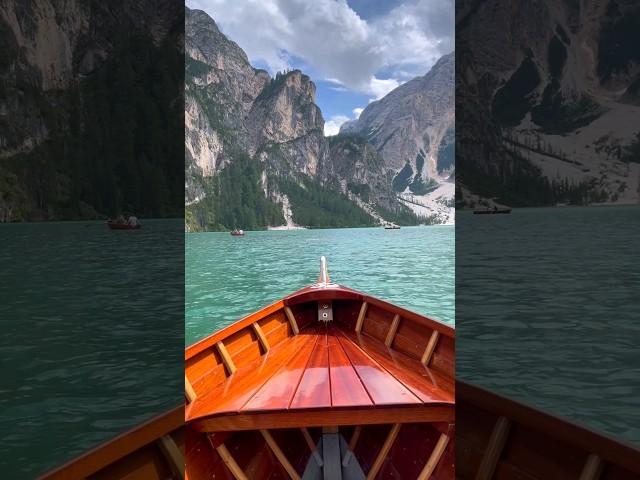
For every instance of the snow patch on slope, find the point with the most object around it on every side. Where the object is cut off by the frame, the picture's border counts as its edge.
(590, 151)
(439, 202)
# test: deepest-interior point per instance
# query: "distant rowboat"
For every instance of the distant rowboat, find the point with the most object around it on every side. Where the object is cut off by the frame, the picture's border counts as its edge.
(237, 233)
(491, 211)
(123, 226)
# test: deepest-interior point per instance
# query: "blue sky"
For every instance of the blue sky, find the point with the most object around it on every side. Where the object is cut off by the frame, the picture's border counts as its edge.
(355, 51)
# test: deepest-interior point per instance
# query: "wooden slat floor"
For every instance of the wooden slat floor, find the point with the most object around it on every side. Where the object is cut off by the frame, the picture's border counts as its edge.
(325, 367)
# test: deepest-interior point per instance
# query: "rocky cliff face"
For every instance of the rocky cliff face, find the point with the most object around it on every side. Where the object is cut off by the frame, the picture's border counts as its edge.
(549, 100)
(232, 107)
(286, 126)
(413, 130)
(220, 89)
(237, 115)
(62, 67)
(414, 123)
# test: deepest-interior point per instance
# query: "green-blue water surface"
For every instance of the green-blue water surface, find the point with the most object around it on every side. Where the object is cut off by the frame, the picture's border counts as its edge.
(229, 277)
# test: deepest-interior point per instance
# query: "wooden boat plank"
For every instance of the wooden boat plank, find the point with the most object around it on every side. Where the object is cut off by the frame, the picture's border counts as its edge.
(443, 358)
(230, 396)
(229, 365)
(334, 370)
(260, 465)
(377, 322)
(229, 330)
(384, 414)
(392, 330)
(203, 461)
(382, 387)
(270, 322)
(548, 426)
(382, 454)
(231, 463)
(277, 451)
(368, 446)
(314, 389)
(473, 441)
(419, 320)
(494, 449)
(376, 327)
(204, 365)
(278, 334)
(346, 387)
(264, 343)
(411, 450)
(429, 388)
(310, 294)
(278, 391)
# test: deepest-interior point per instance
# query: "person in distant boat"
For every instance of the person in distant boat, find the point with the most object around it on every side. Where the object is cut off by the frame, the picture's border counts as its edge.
(133, 220)
(120, 219)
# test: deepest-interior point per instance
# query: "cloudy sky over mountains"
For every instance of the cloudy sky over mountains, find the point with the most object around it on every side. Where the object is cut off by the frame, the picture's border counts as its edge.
(356, 51)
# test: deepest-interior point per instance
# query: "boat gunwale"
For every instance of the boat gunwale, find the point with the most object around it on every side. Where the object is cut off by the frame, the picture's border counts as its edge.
(437, 413)
(309, 294)
(610, 449)
(116, 448)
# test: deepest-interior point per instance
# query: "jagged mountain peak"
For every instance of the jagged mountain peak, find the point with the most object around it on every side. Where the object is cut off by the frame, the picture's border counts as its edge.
(413, 124)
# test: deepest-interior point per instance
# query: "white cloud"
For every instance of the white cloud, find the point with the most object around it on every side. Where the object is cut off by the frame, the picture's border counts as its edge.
(379, 88)
(334, 41)
(357, 112)
(332, 126)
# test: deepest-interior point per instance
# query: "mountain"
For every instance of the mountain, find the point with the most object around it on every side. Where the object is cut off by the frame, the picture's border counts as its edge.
(546, 108)
(80, 137)
(256, 155)
(413, 129)
(254, 145)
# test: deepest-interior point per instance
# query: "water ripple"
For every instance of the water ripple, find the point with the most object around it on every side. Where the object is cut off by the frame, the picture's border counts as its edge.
(229, 277)
(547, 311)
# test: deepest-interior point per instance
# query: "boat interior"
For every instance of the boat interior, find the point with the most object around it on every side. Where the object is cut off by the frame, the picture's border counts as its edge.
(153, 450)
(498, 438)
(327, 378)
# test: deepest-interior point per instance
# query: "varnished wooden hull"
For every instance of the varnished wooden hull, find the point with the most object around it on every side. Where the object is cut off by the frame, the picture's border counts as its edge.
(498, 438)
(281, 395)
(151, 451)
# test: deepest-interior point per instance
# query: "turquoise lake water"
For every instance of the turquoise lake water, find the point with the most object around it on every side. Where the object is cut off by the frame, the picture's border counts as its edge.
(229, 277)
(548, 311)
(92, 336)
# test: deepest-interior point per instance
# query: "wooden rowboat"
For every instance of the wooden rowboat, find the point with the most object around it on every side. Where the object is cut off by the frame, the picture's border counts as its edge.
(492, 211)
(151, 451)
(325, 383)
(499, 438)
(122, 226)
(333, 383)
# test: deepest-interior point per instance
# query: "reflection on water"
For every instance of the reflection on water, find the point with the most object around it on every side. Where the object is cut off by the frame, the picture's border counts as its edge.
(92, 335)
(229, 277)
(548, 311)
